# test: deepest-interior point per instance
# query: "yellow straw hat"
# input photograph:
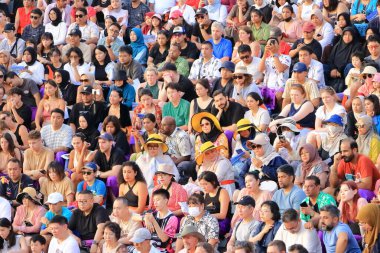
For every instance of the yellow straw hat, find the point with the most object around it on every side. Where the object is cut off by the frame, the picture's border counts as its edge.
(196, 121)
(156, 139)
(208, 145)
(243, 124)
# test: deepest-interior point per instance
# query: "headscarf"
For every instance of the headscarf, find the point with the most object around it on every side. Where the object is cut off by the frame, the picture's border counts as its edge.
(212, 135)
(90, 125)
(213, 8)
(11, 60)
(58, 14)
(364, 141)
(139, 44)
(33, 53)
(251, 136)
(362, 113)
(65, 78)
(370, 214)
(314, 160)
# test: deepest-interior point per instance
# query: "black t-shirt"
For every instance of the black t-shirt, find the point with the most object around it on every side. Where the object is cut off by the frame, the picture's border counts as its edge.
(234, 113)
(10, 189)
(187, 87)
(197, 31)
(116, 158)
(190, 52)
(157, 56)
(314, 45)
(228, 89)
(29, 88)
(97, 109)
(26, 114)
(101, 3)
(85, 226)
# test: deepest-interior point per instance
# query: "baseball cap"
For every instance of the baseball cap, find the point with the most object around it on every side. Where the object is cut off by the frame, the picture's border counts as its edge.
(54, 198)
(308, 27)
(141, 235)
(175, 14)
(228, 65)
(201, 11)
(9, 27)
(106, 136)
(75, 31)
(299, 67)
(336, 119)
(157, 16)
(91, 166)
(149, 14)
(246, 201)
(178, 29)
(369, 70)
(260, 139)
(87, 89)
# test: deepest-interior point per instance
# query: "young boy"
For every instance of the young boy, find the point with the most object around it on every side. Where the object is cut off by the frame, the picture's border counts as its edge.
(37, 244)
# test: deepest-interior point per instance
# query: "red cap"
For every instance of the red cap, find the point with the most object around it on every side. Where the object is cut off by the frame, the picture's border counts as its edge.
(175, 14)
(149, 14)
(308, 27)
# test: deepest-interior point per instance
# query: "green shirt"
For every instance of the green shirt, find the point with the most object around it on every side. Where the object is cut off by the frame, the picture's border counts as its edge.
(179, 113)
(262, 33)
(323, 199)
(181, 64)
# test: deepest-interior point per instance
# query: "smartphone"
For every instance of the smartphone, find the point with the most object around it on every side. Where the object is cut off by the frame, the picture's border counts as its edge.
(281, 138)
(350, 177)
(304, 204)
(239, 151)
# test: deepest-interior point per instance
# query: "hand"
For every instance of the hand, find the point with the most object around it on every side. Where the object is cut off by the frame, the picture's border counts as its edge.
(120, 19)
(109, 8)
(270, 49)
(167, 78)
(337, 158)
(175, 159)
(338, 30)
(309, 225)
(44, 220)
(257, 163)
(109, 40)
(307, 210)
(129, 80)
(94, 248)
(300, 45)
(267, 228)
(74, 63)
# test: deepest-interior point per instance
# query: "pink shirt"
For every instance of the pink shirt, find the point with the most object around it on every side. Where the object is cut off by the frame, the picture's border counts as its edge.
(21, 214)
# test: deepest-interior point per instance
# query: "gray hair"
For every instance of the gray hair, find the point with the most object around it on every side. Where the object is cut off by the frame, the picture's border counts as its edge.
(218, 26)
(367, 120)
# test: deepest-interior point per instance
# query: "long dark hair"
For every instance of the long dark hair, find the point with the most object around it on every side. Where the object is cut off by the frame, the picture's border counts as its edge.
(11, 144)
(333, 4)
(115, 121)
(58, 15)
(57, 168)
(274, 209)
(104, 50)
(5, 223)
(139, 175)
(375, 101)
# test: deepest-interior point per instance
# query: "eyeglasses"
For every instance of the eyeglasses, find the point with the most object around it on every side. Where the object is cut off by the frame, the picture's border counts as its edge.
(79, 16)
(152, 147)
(256, 146)
(34, 17)
(83, 80)
(359, 126)
(244, 57)
(367, 75)
(205, 124)
(200, 17)
(238, 77)
(86, 172)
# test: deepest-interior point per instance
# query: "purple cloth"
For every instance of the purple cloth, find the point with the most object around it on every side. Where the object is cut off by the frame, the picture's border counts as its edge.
(367, 194)
(58, 157)
(113, 185)
(269, 97)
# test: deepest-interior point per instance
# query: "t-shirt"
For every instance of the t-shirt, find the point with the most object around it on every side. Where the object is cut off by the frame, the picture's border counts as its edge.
(222, 49)
(49, 215)
(161, 6)
(68, 245)
(291, 200)
(65, 187)
(98, 188)
(97, 110)
(180, 113)
(314, 45)
(197, 31)
(10, 189)
(26, 114)
(232, 115)
(37, 161)
(85, 226)
(5, 209)
(29, 88)
(331, 237)
(243, 230)
(191, 51)
(157, 56)
(116, 158)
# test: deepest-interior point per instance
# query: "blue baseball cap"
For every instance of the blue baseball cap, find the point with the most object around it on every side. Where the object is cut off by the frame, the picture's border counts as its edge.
(336, 119)
(299, 67)
(91, 166)
(106, 136)
(228, 65)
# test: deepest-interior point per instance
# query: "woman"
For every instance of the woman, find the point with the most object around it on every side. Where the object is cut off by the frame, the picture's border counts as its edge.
(324, 32)
(350, 203)
(22, 18)
(353, 116)
(256, 114)
(76, 65)
(208, 128)
(111, 236)
(88, 128)
(210, 159)
(266, 230)
(108, 20)
(152, 157)
(118, 109)
(369, 32)
(165, 176)
(50, 102)
(305, 9)
(332, 9)
(217, 200)
(28, 215)
(19, 131)
(33, 69)
(369, 220)
(88, 78)
(111, 125)
(312, 164)
(9, 240)
(153, 84)
(57, 181)
(140, 50)
(115, 9)
(103, 66)
(67, 89)
(246, 38)
(368, 141)
(150, 127)
(54, 63)
(157, 25)
(133, 187)
(3, 93)
(160, 50)
(360, 10)
(6, 60)
(340, 56)
(216, 11)
(91, 12)
(265, 8)
(203, 103)
(372, 109)
(56, 27)
(243, 85)
(264, 158)
(300, 110)
(342, 21)
(8, 150)
(237, 17)
(260, 29)
(45, 47)
(145, 106)
(291, 28)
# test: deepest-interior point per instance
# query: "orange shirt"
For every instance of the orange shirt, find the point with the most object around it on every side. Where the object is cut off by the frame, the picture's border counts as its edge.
(24, 18)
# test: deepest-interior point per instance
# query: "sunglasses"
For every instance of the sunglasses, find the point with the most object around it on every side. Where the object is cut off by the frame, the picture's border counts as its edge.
(244, 57)
(238, 77)
(256, 146)
(200, 17)
(86, 172)
(359, 126)
(56, 76)
(83, 80)
(34, 17)
(367, 75)
(1, 76)
(79, 16)
(205, 124)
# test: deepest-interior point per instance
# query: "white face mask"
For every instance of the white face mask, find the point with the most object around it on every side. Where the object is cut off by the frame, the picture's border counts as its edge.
(288, 135)
(194, 211)
(334, 130)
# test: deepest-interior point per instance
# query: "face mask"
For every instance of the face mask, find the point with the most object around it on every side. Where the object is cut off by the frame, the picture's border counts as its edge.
(288, 135)
(194, 211)
(334, 130)
(288, 19)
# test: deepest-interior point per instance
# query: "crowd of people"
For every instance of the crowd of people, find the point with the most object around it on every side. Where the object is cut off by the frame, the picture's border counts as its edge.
(190, 126)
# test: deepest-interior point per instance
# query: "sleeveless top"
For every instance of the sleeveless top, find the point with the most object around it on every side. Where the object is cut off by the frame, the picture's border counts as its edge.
(197, 109)
(212, 204)
(18, 137)
(308, 121)
(133, 199)
(306, 11)
(156, 241)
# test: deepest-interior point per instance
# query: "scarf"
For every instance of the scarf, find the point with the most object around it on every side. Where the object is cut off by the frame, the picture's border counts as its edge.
(139, 44)
(58, 14)
(370, 214)
(91, 128)
(33, 54)
(314, 159)
(268, 156)
(212, 135)
(213, 8)
(364, 142)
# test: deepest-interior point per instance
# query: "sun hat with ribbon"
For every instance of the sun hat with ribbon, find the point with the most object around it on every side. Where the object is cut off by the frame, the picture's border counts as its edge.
(197, 118)
(204, 148)
(156, 139)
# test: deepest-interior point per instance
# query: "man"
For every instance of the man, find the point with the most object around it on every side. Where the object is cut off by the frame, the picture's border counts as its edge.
(201, 28)
(57, 136)
(31, 93)
(180, 148)
(206, 66)
(74, 40)
(337, 236)
(20, 112)
(87, 221)
(292, 231)
(63, 240)
(222, 48)
(297, 248)
(227, 112)
(136, 13)
(315, 68)
(249, 61)
(161, 6)
(243, 247)
(132, 68)
(88, 105)
(350, 165)
(35, 30)
(189, 50)
(375, 23)
(276, 246)
(174, 57)
(91, 183)
(190, 237)
(308, 30)
(112, 41)
(15, 46)
(89, 30)
(373, 45)
(225, 81)
(171, 75)
(300, 77)
(63, 7)
(15, 182)
(289, 195)
(36, 157)
(176, 19)
(177, 107)
(141, 240)
(163, 223)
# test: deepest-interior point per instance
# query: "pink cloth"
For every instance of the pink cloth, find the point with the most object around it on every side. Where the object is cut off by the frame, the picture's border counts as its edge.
(265, 195)
(178, 194)
(21, 213)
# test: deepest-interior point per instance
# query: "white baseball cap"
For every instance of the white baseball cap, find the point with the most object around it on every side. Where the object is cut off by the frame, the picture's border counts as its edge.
(54, 198)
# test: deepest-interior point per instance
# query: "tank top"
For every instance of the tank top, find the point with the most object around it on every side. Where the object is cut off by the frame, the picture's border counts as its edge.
(133, 199)
(212, 204)
(197, 109)
(306, 11)
(156, 241)
(308, 121)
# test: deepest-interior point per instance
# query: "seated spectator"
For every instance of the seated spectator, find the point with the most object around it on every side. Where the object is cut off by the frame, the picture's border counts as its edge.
(258, 116)
(264, 158)
(156, 87)
(157, 25)
(15, 46)
(368, 141)
(133, 187)
(76, 65)
(331, 11)
(191, 239)
(142, 241)
(35, 29)
(118, 110)
(266, 229)
(206, 224)
(217, 11)
(89, 29)
(63, 7)
(8, 150)
(308, 31)
(125, 88)
(245, 131)
(160, 50)
(250, 62)
(315, 68)
(203, 22)
(62, 237)
(87, 219)
(10, 240)
(139, 49)
(111, 125)
(324, 32)
(222, 48)
(132, 67)
(91, 183)
(369, 215)
(372, 109)
(235, 20)
(31, 94)
(57, 27)
(174, 58)
(33, 69)
(342, 21)
(68, 90)
(88, 128)
(189, 51)
(353, 116)
(78, 157)
(292, 231)
(37, 244)
(225, 81)
(28, 215)
(141, 136)
(103, 66)
(145, 106)
(115, 9)
(246, 38)
(243, 85)
(74, 41)
(291, 28)
(6, 61)
(111, 236)
(19, 132)
(259, 27)
(183, 10)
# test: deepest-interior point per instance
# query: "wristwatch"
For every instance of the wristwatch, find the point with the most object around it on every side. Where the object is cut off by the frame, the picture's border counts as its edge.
(275, 55)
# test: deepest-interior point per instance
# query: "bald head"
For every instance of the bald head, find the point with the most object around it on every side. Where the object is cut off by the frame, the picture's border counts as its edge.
(168, 125)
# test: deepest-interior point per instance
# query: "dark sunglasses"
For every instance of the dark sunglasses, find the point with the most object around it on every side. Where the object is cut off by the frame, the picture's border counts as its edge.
(79, 16)
(238, 77)
(255, 146)
(367, 75)
(34, 17)
(205, 124)
(244, 57)
(83, 80)
(86, 172)
(200, 17)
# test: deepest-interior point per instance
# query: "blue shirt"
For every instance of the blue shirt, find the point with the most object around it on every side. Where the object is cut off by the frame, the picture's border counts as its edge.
(223, 49)
(129, 94)
(49, 215)
(331, 237)
(292, 200)
(98, 188)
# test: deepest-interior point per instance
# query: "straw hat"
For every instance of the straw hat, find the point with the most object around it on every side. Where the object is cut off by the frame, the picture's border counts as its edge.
(243, 124)
(156, 139)
(196, 121)
(242, 70)
(29, 192)
(208, 145)
(191, 230)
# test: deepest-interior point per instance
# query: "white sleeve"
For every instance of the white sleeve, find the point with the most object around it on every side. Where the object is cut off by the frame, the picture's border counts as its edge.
(61, 36)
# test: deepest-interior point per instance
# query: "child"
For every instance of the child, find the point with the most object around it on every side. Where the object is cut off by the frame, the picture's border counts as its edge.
(376, 85)
(37, 244)
(353, 75)
(148, 22)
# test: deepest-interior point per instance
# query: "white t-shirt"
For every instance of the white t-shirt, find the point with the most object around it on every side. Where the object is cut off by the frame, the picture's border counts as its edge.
(68, 245)
(152, 250)
(161, 6)
(262, 117)
(322, 114)
(5, 209)
(273, 79)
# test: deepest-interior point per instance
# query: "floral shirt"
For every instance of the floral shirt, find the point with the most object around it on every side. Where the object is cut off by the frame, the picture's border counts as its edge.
(208, 226)
(323, 199)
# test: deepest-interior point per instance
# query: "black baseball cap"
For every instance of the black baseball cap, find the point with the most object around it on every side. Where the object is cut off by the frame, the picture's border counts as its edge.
(246, 201)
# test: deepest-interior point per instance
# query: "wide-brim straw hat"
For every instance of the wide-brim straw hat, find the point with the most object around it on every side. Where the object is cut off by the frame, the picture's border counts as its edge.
(156, 139)
(29, 192)
(197, 118)
(208, 145)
